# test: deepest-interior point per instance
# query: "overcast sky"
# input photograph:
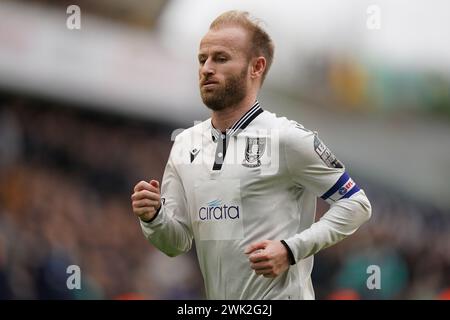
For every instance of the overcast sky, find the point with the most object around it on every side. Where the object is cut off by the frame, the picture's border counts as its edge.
(412, 33)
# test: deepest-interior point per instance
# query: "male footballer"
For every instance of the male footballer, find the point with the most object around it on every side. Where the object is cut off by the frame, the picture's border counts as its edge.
(243, 184)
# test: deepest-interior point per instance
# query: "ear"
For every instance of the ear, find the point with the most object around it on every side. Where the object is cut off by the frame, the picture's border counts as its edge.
(258, 67)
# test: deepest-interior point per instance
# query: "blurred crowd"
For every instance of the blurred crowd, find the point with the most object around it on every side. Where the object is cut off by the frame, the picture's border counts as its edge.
(406, 243)
(66, 176)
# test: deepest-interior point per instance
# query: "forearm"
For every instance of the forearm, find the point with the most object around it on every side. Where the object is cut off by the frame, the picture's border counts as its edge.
(167, 233)
(342, 219)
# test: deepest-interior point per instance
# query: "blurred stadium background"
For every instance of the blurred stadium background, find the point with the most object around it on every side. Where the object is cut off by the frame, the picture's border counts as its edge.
(85, 114)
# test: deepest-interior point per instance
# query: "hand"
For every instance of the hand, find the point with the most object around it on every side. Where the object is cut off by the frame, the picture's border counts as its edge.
(268, 258)
(146, 199)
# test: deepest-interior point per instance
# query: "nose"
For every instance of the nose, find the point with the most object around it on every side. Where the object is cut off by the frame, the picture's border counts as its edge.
(207, 69)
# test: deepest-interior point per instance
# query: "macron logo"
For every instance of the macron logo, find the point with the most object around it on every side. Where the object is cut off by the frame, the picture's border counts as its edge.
(194, 153)
(216, 211)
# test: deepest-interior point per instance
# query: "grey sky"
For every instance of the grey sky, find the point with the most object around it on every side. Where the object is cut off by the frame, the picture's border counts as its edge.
(413, 33)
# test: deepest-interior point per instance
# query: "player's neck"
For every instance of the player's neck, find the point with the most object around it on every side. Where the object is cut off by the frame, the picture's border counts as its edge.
(224, 119)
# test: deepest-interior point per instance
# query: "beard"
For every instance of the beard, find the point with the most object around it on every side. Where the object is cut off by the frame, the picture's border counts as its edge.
(223, 96)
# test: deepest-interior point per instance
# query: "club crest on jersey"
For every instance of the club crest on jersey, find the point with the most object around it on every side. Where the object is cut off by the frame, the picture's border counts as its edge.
(254, 149)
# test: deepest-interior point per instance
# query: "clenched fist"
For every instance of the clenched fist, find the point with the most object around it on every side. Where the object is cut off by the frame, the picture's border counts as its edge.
(268, 258)
(146, 199)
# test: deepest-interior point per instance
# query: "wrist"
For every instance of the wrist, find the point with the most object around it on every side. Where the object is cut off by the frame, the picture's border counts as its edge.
(289, 253)
(154, 216)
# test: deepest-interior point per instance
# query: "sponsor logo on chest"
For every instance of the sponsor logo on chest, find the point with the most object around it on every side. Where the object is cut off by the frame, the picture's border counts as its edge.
(215, 210)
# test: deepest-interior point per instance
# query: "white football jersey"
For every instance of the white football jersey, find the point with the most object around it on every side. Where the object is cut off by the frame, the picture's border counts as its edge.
(258, 181)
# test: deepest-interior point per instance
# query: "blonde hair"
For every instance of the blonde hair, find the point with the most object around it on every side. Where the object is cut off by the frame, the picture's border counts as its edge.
(262, 44)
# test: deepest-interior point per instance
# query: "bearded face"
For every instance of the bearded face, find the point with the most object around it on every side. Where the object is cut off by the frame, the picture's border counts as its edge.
(223, 67)
(218, 96)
